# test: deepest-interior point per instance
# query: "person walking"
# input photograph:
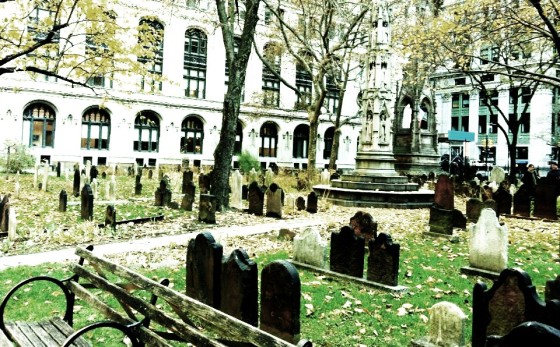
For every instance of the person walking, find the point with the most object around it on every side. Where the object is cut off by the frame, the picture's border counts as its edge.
(530, 180)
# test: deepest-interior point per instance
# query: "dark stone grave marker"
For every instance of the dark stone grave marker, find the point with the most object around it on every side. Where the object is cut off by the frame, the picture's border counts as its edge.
(188, 199)
(312, 202)
(204, 266)
(383, 260)
(104, 175)
(138, 185)
(163, 194)
(58, 169)
(187, 178)
(441, 220)
(86, 211)
(150, 174)
(5, 214)
(490, 203)
(347, 253)
(552, 289)
(240, 291)
(204, 183)
(522, 202)
(244, 191)
(528, 334)
(93, 173)
(256, 199)
(280, 300)
(62, 201)
(503, 200)
(207, 209)
(364, 225)
(111, 217)
(474, 207)
(444, 194)
(76, 183)
(300, 203)
(545, 201)
(274, 201)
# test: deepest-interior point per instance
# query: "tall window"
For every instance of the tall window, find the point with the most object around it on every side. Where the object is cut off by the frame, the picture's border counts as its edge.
(269, 140)
(328, 138)
(98, 51)
(147, 130)
(488, 116)
(459, 111)
(332, 100)
(424, 115)
(39, 125)
(238, 146)
(301, 141)
(194, 64)
(150, 37)
(96, 127)
(271, 83)
(192, 137)
(489, 54)
(304, 86)
(40, 22)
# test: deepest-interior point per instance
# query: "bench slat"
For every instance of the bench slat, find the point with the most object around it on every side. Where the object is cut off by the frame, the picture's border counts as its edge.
(45, 333)
(24, 335)
(223, 324)
(4, 340)
(66, 330)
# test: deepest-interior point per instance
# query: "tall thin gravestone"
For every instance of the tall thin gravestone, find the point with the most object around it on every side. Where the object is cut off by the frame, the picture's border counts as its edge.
(88, 170)
(4, 212)
(111, 217)
(93, 172)
(188, 199)
(112, 190)
(76, 183)
(187, 179)
(274, 201)
(12, 224)
(236, 187)
(347, 253)
(46, 169)
(204, 266)
(86, 210)
(239, 285)
(280, 300)
(162, 194)
(522, 202)
(441, 212)
(62, 201)
(138, 186)
(383, 260)
(207, 209)
(256, 199)
(253, 176)
(444, 193)
(268, 177)
(300, 203)
(312, 200)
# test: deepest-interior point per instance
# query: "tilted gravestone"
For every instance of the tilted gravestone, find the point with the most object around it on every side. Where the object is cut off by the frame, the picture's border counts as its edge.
(86, 211)
(204, 267)
(446, 327)
(239, 287)
(552, 289)
(488, 245)
(207, 209)
(256, 199)
(474, 207)
(187, 179)
(111, 217)
(347, 253)
(274, 201)
(511, 301)
(138, 185)
(522, 202)
(310, 248)
(300, 203)
(76, 183)
(236, 187)
(188, 199)
(163, 194)
(312, 200)
(280, 300)
(383, 260)
(62, 201)
(364, 225)
(545, 201)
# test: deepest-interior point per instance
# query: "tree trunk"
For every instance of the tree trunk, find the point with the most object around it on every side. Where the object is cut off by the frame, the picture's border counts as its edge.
(312, 154)
(335, 145)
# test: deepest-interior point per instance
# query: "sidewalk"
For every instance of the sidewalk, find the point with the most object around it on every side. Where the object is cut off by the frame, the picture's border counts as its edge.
(146, 244)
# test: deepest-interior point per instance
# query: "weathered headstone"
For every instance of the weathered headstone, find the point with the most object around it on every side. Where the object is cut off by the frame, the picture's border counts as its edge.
(12, 224)
(86, 210)
(444, 193)
(88, 170)
(474, 207)
(256, 199)
(363, 225)
(17, 188)
(111, 217)
(300, 203)
(4, 212)
(76, 184)
(441, 220)
(46, 169)
(280, 301)
(204, 267)
(522, 202)
(497, 175)
(188, 198)
(347, 253)
(36, 176)
(207, 209)
(187, 178)
(503, 200)
(312, 200)
(383, 260)
(274, 201)
(490, 203)
(488, 244)
(325, 176)
(268, 177)
(138, 185)
(112, 193)
(446, 327)
(239, 287)
(62, 201)
(104, 175)
(253, 176)
(58, 169)
(93, 173)
(163, 194)
(236, 187)
(310, 248)
(204, 183)
(94, 187)
(552, 289)
(545, 201)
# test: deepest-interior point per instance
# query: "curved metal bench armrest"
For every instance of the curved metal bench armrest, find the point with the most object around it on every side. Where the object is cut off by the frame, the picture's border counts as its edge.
(125, 329)
(67, 295)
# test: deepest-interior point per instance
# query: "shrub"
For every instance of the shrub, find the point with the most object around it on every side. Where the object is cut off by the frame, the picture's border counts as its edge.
(247, 161)
(19, 159)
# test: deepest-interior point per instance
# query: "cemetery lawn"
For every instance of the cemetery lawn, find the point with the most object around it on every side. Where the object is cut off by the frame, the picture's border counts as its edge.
(333, 312)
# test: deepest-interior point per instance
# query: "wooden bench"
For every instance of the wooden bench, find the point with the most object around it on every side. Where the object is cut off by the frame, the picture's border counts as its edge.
(135, 316)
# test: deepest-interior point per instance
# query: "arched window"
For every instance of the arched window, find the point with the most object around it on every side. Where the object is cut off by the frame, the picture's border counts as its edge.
(194, 64)
(96, 127)
(238, 146)
(301, 141)
(423, 115)
(146, 125)
(328, 138)
(271, 83)
(150, 38)
(193, 135)
(39, 125)
(269, 140)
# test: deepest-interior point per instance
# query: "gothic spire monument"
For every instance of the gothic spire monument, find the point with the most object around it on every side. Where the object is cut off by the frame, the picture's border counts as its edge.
(374, 182)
